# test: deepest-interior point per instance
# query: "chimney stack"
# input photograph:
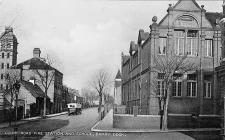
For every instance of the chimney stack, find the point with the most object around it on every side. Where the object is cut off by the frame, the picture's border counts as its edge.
(36, 53)
(8, 29)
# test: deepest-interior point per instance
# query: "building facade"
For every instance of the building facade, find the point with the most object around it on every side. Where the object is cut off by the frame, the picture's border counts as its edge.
(186, 29)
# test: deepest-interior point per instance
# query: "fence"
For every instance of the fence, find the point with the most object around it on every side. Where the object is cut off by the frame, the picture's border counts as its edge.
(139, 110)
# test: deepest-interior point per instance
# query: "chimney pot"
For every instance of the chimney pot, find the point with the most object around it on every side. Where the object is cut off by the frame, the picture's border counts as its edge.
(36, 53)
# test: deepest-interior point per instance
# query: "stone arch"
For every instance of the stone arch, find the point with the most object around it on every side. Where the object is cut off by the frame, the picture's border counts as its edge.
(186, 21)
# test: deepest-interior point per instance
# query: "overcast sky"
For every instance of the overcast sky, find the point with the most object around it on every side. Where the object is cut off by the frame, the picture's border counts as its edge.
(82, 36)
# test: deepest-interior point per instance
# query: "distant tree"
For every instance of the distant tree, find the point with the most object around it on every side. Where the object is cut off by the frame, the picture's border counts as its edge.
(88, 94)
(168, 66)
(101, 82)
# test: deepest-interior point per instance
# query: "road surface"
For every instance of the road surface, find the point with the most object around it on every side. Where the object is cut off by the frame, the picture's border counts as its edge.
(78, 127)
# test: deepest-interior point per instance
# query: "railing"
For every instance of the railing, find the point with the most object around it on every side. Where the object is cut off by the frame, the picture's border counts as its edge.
(139, 110)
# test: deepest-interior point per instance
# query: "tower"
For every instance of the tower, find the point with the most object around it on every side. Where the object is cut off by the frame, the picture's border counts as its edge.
(8, 57)
(117, 89)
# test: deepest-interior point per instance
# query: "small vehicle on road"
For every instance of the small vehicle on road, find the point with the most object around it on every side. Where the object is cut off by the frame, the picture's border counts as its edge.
(74, 109)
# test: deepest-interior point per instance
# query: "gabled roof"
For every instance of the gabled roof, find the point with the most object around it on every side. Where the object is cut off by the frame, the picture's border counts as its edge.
(193, 1)
(142, 36)
(34, 63)
(35, 90)
(6, 103)
(125, 58)
(118, 75)
(133, 47)
(185, 3)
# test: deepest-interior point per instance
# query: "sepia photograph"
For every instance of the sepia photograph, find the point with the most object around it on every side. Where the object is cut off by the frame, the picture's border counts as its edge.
(112, 69)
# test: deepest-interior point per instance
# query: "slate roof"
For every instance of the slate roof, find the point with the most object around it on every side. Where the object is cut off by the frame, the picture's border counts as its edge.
(133, 47)
(118, 75)
(35, 63)
(7, 103)
(35, 90)
(125, 58)
(142, 36)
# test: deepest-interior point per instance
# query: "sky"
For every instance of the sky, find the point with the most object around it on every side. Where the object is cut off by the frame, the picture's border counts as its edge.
(82, 36)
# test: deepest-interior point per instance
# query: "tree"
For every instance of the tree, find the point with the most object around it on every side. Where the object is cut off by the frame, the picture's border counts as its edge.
(12, 76)
(88, 94)
(101, 82)
(169, 66)
(45, 78)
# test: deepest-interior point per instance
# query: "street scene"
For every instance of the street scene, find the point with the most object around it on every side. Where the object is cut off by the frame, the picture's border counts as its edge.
(112, 69)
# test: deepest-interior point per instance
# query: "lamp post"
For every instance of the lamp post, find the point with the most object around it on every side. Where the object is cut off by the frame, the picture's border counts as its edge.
(16, 87)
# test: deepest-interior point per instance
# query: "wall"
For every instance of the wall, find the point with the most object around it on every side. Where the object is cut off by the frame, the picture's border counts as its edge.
(125, 121)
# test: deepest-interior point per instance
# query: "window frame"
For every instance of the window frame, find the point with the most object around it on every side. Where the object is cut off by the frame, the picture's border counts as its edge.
(177, 43)
(207, 45)
(206, 93)
(177, 88)
(191, 88)
(164, 39)
(192, 81)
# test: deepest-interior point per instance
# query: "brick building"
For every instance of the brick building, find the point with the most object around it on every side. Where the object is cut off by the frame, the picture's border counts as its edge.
(28, 70)
(186, 29)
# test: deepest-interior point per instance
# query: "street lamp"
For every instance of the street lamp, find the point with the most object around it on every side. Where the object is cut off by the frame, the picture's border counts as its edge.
(16, 87)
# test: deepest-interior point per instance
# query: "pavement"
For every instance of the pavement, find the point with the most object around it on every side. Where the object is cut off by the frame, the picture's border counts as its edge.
(6, 124)
(106, 125)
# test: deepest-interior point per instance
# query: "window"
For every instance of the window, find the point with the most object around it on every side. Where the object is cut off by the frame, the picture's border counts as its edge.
(162, 45)
(179, 42)
(7, 65)
(8, 55)
(207, 89)
(3, 55)
(192, 43)
(7, 87)
(1, 86)
(135, 60)
(2, 76)
(2, 65)
(209, 51)
(191, 85)
(177, 86)
(137, 89)
(161, 85)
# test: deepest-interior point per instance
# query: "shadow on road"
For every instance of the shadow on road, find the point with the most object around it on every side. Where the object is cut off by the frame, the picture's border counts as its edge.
(34, 130)
(204, 135)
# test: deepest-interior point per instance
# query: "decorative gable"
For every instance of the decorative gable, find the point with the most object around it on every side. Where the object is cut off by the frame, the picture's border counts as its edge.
(186, 21)
(189, 5)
